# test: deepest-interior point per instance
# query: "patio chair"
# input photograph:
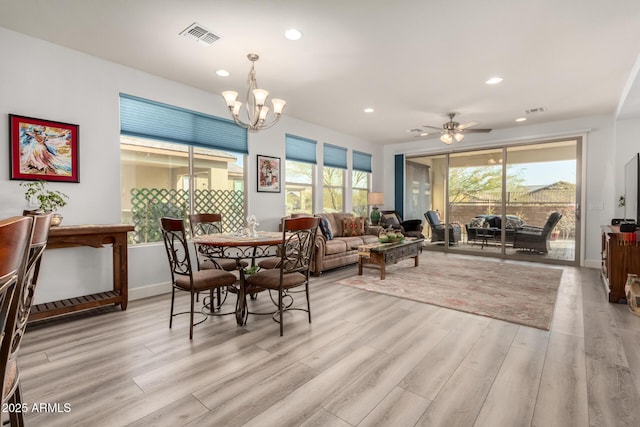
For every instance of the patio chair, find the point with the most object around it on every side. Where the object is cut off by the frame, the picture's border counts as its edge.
(536, 239)
(438, 229)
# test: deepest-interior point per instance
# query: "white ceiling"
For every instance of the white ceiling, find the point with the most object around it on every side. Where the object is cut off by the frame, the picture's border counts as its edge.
(413, 61)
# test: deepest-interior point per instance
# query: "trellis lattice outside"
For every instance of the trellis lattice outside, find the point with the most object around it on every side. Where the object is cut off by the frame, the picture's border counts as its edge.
(151, 204)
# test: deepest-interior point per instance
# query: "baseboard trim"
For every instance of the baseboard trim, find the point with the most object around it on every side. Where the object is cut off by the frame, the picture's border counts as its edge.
(593, 263)
(149, 291)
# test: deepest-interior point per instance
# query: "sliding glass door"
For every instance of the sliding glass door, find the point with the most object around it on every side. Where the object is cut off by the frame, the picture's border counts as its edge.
(542, 221)
(515, 202)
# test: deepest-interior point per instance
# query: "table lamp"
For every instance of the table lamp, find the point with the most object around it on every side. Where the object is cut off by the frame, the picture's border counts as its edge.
(374, 199)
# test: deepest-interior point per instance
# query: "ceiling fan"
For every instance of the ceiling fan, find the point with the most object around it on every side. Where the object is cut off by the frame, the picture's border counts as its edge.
(450, 131)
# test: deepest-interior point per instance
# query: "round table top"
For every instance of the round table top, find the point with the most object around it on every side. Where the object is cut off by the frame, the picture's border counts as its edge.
(228, 239)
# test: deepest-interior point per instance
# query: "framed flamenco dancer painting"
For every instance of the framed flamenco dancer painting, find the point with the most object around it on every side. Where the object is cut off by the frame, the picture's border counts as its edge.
(43, 149)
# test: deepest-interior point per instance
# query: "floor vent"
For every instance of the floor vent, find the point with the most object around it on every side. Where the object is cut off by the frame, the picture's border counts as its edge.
(200, 34)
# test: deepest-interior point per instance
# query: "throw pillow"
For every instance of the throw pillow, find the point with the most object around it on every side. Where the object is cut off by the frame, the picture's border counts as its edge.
(513, 223)
(476, 222)
(353, 226)
(325, 228)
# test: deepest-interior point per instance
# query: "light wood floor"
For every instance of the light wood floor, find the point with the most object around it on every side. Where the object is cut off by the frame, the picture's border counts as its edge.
(366, 360)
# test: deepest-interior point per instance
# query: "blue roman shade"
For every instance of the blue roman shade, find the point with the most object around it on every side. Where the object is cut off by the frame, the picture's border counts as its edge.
(143, 118)
(361, 161)
(300, 149)
(335, 157)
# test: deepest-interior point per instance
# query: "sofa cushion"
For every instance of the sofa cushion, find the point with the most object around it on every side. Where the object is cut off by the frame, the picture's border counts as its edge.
(353, 226)
(353, 242)
(336, 246)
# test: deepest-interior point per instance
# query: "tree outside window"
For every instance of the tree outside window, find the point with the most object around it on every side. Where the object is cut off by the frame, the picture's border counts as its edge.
(333, 189)
(359, 192)
(299, 187)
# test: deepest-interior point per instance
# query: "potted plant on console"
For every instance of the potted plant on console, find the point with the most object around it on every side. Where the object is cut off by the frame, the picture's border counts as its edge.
(47, 200)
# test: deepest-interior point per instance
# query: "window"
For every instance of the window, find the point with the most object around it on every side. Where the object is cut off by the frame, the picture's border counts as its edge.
(299, 187)
(194, 165)
(359, 192)
(299, 173)
(155, 182)
(333, 190)
(335, 163)
(360, 183)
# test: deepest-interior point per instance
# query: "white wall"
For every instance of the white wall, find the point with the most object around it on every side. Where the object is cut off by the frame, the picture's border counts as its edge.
(43, 80)
(600, 167)
(627, 144)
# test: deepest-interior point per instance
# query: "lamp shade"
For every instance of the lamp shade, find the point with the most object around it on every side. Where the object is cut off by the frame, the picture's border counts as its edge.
(375, 198)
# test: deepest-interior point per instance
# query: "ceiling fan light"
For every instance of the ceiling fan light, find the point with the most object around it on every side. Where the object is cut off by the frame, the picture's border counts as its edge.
(447, 138)
(458, 136)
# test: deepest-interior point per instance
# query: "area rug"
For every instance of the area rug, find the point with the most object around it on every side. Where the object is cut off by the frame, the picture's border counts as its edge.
(512, 292)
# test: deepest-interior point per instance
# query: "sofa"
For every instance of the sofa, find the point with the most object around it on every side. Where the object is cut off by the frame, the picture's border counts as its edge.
(336, 246)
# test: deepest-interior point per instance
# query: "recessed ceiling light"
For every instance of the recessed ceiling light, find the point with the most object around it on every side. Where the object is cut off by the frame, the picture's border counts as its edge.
(222, 73)
(521, 119)
(292, 34)
(494, 80)
(368, 110)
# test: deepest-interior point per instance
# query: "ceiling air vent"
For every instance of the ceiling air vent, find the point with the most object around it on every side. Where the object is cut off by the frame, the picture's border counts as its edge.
(535, 110)
(200, 34)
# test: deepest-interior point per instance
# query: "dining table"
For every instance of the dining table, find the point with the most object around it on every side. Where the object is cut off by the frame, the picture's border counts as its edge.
(239, 247)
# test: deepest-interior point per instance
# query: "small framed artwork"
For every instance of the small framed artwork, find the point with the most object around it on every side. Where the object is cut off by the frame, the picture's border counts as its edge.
(268, 174)
(43, 149)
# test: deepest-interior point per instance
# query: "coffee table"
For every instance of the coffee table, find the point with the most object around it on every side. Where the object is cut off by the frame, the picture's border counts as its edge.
(379, 255)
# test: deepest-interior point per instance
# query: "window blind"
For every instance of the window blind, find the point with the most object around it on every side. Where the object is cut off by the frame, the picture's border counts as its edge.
(335, 157)
(300, 149)
(148, 119)
(361, 161)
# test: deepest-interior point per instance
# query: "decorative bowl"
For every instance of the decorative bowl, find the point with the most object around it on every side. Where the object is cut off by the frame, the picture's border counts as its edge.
(56, 219)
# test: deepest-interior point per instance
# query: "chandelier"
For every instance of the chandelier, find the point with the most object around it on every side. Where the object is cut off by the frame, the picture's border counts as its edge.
(254, 104)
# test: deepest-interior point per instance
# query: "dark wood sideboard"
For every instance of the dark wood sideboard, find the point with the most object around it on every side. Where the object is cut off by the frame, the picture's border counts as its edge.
(620, 256)
(95, 236)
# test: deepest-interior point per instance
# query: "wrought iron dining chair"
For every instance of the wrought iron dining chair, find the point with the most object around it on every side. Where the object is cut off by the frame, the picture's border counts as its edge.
(274, 261)
(183, 276)
(211, 223)
(15, 236)
(20, 309)
(296, 251)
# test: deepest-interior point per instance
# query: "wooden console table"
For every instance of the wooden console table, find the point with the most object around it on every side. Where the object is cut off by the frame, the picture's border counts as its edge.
(620, 256)
(95, 236)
